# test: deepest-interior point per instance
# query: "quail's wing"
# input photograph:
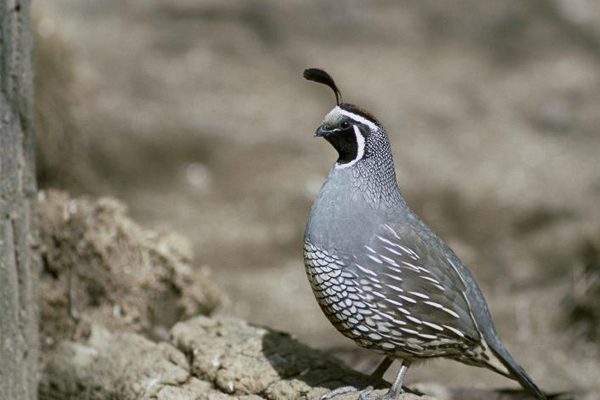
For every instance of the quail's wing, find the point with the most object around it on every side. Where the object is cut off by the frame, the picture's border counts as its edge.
(416, 286)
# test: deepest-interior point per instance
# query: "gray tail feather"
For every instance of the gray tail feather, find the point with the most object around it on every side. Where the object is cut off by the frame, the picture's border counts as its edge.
(517, 372)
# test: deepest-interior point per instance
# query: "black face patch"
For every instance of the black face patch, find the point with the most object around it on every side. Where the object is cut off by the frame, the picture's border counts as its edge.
(344, 141)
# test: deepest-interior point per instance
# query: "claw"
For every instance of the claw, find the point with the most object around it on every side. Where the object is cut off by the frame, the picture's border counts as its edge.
(347, 389)
(337, 392)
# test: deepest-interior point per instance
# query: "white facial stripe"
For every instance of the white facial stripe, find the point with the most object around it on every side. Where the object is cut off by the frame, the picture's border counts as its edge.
(359, 119)
(360, 149)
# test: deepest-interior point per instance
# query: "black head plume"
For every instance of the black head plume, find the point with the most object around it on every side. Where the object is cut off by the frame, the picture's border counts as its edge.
(320, 76)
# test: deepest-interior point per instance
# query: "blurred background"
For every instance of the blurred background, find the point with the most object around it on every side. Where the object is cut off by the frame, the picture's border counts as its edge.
(196, 115)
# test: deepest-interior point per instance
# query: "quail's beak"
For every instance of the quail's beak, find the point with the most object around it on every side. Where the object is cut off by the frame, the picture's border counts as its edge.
(322, 131)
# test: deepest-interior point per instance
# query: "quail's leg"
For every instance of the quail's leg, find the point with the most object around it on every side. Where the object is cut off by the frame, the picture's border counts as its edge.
(394, 391)
(374, 378)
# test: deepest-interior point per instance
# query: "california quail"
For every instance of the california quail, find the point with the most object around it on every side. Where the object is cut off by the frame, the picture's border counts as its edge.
(379, 274)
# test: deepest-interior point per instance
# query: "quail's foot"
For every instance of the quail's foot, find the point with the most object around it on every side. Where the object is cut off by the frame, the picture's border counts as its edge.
(394, 392)
(389, 395)
(347, 389)
(374, 379)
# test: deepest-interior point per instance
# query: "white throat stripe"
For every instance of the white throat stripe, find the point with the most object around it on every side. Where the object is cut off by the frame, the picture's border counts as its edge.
(360, 149)
(359, 119)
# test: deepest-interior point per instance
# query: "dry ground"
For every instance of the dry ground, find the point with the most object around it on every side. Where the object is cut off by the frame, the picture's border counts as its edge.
(195, 114)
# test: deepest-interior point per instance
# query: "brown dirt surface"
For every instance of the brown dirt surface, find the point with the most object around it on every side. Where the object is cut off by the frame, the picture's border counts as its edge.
(239, 358)
(207, 359)
(195, 114)
(121, 275)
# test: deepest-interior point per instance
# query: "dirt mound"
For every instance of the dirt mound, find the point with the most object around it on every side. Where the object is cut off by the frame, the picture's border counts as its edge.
(99, 266)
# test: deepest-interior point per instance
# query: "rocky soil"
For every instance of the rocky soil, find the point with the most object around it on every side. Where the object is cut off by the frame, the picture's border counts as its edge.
(206, 359)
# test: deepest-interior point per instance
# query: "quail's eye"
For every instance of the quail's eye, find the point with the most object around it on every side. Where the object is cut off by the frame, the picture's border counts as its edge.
(345, 125)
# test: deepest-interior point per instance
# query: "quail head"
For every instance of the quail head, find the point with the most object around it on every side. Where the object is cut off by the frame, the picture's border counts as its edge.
(379, 274)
